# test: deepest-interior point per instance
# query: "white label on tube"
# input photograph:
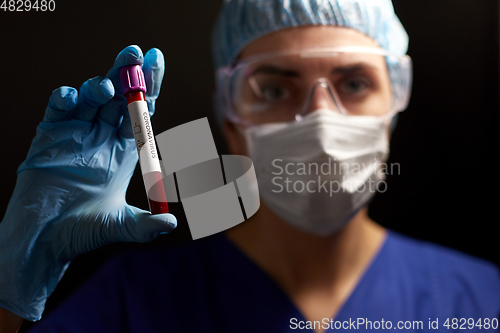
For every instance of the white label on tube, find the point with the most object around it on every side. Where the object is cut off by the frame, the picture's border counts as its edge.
(144, 138)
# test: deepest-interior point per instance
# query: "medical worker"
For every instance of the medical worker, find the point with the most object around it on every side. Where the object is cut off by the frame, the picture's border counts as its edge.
(308, 89)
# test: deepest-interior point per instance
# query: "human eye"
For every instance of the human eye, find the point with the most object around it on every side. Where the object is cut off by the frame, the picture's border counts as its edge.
(275, 93)
(355, 85)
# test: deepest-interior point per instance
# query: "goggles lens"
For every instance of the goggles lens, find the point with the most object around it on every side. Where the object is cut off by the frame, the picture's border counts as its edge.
(283, 87)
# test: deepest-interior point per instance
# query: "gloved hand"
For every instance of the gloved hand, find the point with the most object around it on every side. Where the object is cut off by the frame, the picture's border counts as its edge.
(70, 192)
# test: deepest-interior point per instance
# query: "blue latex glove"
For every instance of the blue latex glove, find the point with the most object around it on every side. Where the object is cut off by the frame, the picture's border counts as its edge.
(70, 191)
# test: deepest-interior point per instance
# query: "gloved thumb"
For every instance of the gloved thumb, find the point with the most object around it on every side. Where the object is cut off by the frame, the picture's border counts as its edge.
(146, 227)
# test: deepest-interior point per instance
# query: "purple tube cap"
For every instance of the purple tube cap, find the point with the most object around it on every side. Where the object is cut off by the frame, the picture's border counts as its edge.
(132, 79)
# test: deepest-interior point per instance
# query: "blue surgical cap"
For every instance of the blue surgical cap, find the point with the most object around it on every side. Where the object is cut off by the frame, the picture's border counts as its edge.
(242, 21)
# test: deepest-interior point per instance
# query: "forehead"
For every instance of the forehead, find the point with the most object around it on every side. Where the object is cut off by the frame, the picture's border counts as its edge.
(303, 37)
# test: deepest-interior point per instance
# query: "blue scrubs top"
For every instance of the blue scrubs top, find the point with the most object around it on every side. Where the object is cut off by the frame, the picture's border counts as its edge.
(209, 285)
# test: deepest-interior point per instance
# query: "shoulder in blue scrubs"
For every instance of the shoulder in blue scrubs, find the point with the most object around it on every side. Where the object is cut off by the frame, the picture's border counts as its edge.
(211, 286)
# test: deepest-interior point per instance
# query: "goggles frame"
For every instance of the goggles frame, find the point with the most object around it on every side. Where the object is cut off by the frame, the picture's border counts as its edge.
(401, 90)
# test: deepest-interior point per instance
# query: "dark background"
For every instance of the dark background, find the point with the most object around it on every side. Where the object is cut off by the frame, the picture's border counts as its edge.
(447, 142)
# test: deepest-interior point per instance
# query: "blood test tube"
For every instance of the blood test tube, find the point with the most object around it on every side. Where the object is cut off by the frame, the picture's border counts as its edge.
(134, 88)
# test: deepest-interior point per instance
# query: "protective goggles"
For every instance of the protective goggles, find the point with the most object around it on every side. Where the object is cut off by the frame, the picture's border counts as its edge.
(280, 87)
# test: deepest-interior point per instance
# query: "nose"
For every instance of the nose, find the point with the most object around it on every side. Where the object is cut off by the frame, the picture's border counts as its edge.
(321, 96)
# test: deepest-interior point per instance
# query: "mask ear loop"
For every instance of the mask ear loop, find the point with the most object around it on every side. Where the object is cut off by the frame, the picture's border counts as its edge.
(323, 83)
(241, 75)
(256, 91)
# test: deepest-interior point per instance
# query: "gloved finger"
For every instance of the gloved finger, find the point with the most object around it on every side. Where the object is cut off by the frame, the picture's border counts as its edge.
(112, 112)
(62, 101)
(144, 227)
(151, 226)
(126, 127)
(131, 55)
(93, 93)
(154, 69)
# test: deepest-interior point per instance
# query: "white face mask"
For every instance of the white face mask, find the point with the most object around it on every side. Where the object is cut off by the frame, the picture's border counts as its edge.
(317, 173)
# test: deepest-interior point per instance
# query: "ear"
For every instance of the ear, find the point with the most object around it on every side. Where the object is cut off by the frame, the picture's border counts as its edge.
(235, 140)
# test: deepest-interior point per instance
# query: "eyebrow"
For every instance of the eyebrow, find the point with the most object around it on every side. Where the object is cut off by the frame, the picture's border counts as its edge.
(354, 68)
(275, 70)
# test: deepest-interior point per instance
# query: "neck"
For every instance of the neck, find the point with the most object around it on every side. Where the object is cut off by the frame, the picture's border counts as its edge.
(299, 261)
